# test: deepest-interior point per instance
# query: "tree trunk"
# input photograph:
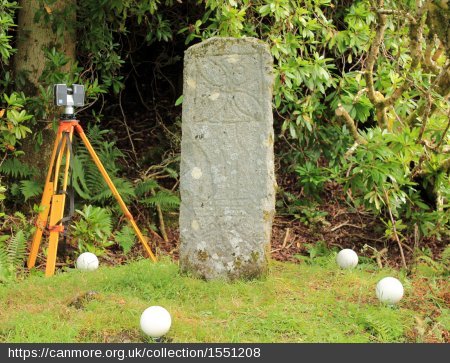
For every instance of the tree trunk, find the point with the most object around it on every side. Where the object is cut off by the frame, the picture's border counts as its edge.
(29, 62)
(34, 38)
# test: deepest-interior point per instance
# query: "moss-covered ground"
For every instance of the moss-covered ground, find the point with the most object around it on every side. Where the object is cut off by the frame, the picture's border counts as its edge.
(294, 303)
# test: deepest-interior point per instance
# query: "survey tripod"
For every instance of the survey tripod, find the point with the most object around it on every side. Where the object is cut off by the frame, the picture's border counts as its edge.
(51, 216)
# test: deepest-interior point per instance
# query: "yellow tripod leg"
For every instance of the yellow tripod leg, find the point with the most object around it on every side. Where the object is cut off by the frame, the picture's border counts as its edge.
(68, 161)
(41, 221)
(56, 215)
(58, 163)
(114, 191)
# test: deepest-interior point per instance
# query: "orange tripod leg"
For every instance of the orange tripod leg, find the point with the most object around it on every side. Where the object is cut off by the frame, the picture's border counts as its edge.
(68, 161)
(114, 191)
(57, 208)
(41, 221)
(58, 164)
(56, 215)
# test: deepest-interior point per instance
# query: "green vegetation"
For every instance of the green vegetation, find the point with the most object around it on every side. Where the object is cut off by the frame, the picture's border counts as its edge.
(360, 98)
(361, 117)
(295, 303)
(12, 250)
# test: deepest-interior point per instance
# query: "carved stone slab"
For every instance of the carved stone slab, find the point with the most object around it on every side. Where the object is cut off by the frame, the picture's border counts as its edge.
(227, 170)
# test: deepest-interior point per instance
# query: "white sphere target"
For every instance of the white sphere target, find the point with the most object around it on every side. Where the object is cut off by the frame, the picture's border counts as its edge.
(389, 290)
(155, 321)
(87, 261)
(347, 259)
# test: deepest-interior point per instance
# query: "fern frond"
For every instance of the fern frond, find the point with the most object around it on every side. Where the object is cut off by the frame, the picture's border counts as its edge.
(385, 328)
(125, 238)
(171, 172)
(21, 216)
(87, 179)
(164, 198)
(16, 249)
(446, 254)
(145, 186)
(16, 169)
(78, 180)
(14, 189)
(124, 187)
(5, 272)
(30, 188)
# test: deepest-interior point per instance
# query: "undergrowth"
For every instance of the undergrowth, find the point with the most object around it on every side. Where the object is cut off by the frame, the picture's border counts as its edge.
(294, 303)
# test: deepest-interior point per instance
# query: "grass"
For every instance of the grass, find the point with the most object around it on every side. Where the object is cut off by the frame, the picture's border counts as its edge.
(294, 303)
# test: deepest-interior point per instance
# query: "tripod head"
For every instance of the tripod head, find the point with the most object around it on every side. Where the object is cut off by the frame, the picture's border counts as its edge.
(69, 97)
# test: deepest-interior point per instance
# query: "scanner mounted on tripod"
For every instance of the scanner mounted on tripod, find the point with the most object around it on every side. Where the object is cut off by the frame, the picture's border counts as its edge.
(51, 216)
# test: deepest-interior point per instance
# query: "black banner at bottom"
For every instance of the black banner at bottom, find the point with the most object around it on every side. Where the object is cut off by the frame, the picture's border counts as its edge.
(360, 353)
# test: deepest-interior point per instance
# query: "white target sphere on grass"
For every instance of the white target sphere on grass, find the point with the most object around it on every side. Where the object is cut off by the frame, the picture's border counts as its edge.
(347, 259)
(87, 261)
(155, 321)
(389, 290)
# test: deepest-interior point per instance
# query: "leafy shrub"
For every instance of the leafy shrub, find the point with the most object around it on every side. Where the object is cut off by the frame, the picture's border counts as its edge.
(13, 121)
(379, 176)
(7, 9)
(395, 113)
(311, 178)
(92, 231)
(319, 254)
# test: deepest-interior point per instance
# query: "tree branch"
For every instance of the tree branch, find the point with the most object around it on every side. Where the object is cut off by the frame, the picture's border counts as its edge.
(399, 13)
(342, 112)
(430, 58)
(416, 37)
(373, 54)
(416, 27)
(438, 52)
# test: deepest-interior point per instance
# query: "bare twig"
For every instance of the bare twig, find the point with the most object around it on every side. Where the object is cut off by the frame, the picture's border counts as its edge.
(124, 121)
(394, 229)
(279, 249)
(360, 236)
(416, 236)
(3, 159)
(350, 151)
(335, 228)
(377, 255)
(286, 237)
(162, 225)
